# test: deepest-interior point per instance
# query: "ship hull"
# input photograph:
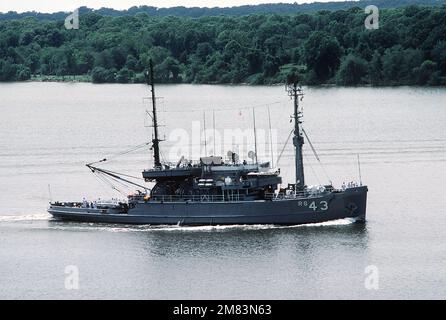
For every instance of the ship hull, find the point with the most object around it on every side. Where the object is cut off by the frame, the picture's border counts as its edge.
(348, 204)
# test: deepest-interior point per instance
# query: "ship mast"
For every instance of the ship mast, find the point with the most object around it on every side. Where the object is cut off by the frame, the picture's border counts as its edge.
(295, 92)
(155, 141)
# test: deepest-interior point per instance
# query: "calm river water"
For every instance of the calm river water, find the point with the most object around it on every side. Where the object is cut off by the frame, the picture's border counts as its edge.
(48, 131)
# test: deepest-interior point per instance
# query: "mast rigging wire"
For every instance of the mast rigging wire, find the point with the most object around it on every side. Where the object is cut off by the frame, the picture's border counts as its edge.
(133, 149)
(111, 178)
(316, 155)
(264, 105)
(112, 175)
(271, 138)
(106, 183)
(312, 169)
(284, 147)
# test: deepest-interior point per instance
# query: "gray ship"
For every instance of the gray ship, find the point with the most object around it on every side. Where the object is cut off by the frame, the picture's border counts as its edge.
(215, 191)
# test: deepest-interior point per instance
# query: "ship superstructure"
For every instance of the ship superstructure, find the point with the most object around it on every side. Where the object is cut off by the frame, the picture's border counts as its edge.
(217, 190)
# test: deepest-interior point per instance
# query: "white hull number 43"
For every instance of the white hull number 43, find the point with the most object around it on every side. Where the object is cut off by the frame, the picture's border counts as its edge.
(322, 205)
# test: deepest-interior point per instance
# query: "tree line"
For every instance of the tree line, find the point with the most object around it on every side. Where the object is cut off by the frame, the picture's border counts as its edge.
(197, 12)
(324, 47)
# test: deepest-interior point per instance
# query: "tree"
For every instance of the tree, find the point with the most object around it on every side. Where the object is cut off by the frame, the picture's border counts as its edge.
(119, 57)
(352, 71)
(124, 76)
(33, 62)
(375, 69)
(439, 55)
(203, 50)
(102, 75)
(131, 63)
(225, 48)
(157, 54)
(399, 63)
(425, 72)
(55, 38)
(12, 38)
(104, 59)
(168, 70)
(84, 62)
(270, 66)
(322, 53)
(27, 38)
(23, 73)
(8, 70)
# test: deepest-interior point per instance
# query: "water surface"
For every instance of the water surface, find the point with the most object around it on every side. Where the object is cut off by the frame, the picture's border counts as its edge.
(48, 131)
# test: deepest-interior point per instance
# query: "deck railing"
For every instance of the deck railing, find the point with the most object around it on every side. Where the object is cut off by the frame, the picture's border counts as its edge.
(198, 198)
(295, 195)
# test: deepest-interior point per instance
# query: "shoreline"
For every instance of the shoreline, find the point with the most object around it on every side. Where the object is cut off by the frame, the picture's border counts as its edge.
(227, 84)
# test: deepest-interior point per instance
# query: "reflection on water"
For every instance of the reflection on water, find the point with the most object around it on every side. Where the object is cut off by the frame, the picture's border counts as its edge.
(253, 241)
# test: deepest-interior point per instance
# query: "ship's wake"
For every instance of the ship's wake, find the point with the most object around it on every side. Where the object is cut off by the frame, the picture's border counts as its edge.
(171, 228)
(61, 225)
(247, 227)
(27, 217)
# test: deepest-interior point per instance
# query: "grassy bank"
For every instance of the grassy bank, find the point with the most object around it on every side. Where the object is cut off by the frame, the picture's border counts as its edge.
(69, 78)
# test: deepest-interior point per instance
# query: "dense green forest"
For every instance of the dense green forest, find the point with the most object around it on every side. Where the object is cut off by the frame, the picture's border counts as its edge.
(409, 48)
(196, 12)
